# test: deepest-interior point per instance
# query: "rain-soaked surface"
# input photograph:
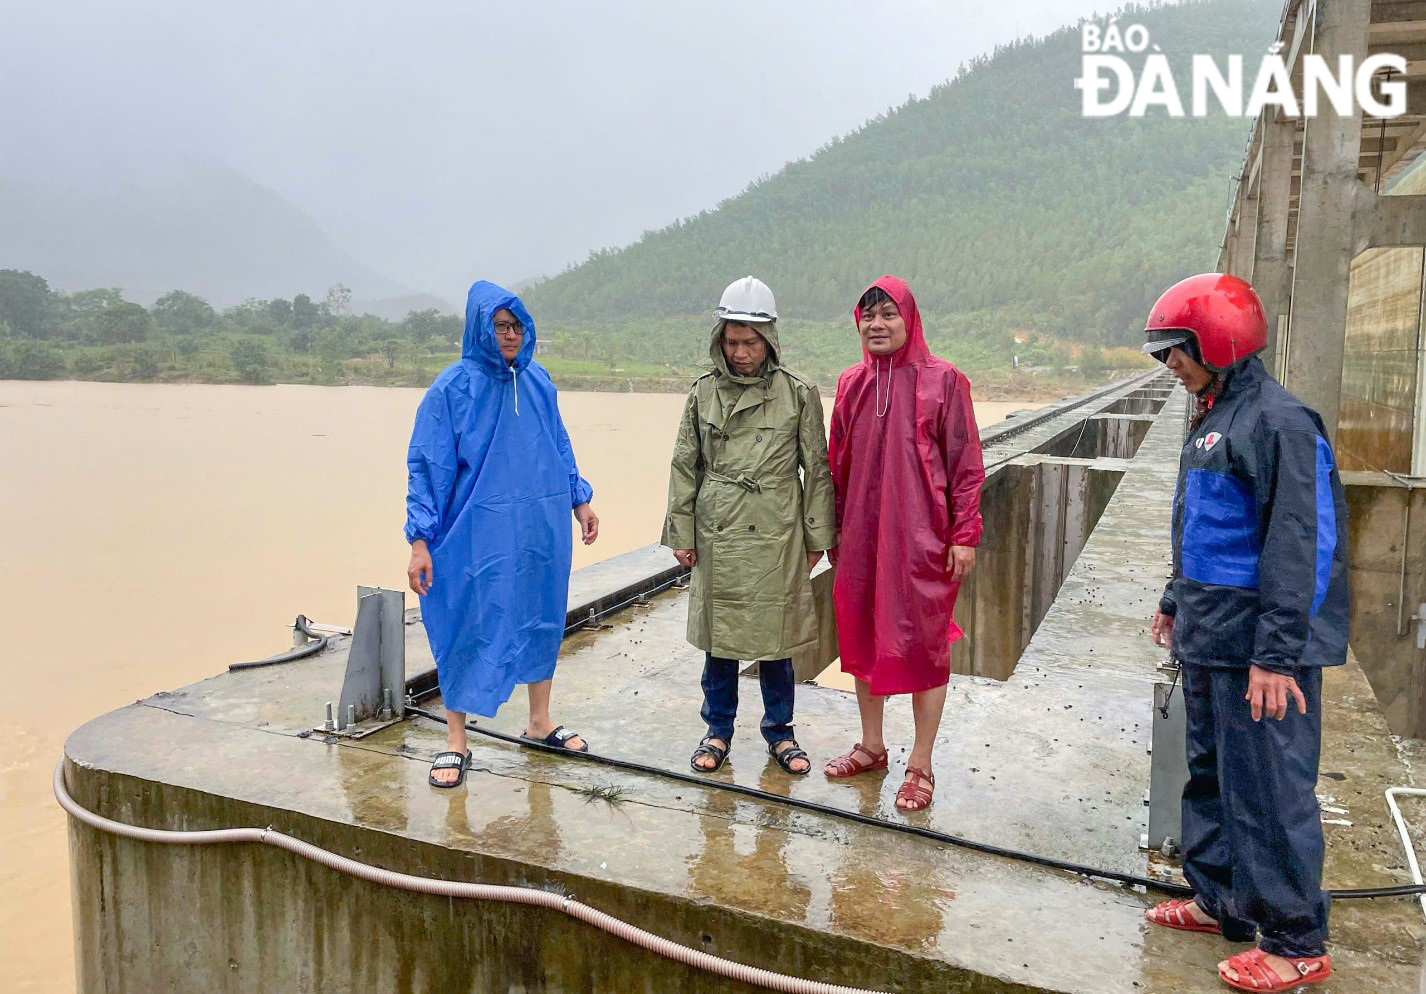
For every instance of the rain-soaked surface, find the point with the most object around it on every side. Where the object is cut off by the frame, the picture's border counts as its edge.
(154, 533)
(1051, 761)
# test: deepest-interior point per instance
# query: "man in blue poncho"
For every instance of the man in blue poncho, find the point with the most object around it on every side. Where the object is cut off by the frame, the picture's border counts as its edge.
(491, 483)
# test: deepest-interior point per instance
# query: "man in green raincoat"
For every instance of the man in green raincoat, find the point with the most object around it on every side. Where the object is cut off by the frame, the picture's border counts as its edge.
(748, 525)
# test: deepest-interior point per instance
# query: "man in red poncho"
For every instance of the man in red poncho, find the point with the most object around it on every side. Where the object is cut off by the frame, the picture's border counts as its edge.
(906, 463)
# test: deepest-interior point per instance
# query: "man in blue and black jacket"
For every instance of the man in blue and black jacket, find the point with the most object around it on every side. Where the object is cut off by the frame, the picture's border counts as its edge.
(1257, 606)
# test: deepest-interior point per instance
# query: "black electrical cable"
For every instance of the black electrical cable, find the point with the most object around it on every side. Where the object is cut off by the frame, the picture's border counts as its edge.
(823, 809)
(1163, 886)
(300, 652)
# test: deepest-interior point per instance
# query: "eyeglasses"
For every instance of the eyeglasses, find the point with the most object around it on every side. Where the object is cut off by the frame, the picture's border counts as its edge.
(508, 327)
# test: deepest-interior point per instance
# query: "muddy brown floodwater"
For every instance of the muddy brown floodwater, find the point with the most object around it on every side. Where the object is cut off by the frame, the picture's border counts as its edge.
(153, 534)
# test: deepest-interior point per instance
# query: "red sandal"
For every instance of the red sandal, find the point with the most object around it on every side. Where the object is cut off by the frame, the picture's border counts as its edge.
(1255, 975)
(916, 796)
(846, 765)
(1175, 914)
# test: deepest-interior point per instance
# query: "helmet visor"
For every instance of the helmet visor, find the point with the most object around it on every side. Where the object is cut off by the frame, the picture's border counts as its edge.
(1160, 342)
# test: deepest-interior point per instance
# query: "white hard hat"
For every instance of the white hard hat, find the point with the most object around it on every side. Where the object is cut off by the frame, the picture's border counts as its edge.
(747, 300)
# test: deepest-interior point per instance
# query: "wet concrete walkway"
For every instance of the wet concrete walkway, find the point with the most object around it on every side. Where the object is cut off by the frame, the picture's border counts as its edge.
(1052, 761)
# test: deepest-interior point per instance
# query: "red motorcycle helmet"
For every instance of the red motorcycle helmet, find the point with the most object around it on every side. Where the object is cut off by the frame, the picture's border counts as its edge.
(1219, 314)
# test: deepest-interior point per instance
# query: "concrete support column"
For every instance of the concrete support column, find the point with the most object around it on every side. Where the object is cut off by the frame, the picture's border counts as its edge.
(1272, 273)
(1326, 242)
(1418, 444)
(1245, 249)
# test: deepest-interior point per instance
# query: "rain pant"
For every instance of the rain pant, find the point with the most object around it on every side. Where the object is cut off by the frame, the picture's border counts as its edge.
(492, 481)
(906, 462)
(1260, 577)
(735, 497)
(1252, 831)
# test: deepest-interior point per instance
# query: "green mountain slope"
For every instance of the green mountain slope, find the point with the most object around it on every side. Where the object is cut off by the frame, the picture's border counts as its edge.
(994, 197)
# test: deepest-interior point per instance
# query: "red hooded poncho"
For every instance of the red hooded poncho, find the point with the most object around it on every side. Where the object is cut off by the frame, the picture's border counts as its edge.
(906, 462)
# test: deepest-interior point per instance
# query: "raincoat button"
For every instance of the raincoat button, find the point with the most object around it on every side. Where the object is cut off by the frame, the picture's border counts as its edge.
(760, 438)
(752, 528)
(720, 527)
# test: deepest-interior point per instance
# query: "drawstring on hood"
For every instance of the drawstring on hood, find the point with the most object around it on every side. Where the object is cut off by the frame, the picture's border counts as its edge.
(479, 344)
(881, 408)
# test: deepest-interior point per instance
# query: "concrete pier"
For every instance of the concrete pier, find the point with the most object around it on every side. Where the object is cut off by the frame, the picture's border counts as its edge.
(1050, 759)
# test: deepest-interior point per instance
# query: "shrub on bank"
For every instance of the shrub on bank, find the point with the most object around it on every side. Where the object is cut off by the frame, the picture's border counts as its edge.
(22, 359)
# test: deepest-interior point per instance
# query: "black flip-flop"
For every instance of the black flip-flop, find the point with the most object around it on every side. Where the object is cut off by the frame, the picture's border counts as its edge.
(449, 761)
(785, 758)
(558, 738)
(707, 748)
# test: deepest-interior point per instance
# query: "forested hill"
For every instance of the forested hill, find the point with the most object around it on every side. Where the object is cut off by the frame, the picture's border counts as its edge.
(1003, 206)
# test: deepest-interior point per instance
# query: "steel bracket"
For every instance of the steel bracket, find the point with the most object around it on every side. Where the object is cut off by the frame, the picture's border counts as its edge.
(373, 693)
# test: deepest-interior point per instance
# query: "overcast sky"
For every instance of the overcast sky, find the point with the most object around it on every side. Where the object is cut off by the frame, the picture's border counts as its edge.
(437, 140)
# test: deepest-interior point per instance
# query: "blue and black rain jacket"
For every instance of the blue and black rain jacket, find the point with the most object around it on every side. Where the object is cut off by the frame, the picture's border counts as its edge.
(1259, 534)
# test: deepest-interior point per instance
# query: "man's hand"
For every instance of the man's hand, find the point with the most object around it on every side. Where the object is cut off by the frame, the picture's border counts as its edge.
(687, 558)
(836, 545)
(813, 558)
(421, 574)
(1161, 628)
(588, 523)
(961, 561)
(1268, 693)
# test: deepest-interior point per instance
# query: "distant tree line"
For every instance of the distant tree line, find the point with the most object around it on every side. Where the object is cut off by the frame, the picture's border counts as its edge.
(97, 334)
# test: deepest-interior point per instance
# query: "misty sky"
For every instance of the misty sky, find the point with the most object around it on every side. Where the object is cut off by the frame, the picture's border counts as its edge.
(441, 140)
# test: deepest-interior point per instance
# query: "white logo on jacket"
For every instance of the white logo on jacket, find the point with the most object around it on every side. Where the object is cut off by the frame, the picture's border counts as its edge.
(1211, 439)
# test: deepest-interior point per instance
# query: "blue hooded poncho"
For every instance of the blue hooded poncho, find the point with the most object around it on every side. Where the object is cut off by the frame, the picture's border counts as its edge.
(491, 484)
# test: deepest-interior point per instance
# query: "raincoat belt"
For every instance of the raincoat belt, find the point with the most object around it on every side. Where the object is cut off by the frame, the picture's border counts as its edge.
(749, 484)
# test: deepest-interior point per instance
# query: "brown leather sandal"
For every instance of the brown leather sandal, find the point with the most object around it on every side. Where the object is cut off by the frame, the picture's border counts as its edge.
(846, 765)
(913, 796)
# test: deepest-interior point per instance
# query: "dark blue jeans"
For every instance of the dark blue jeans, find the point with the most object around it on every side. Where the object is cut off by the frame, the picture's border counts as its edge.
(720, 698)
(1252, 831)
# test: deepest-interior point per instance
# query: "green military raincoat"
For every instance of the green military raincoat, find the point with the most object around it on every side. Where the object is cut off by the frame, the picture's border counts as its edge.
(735, 497)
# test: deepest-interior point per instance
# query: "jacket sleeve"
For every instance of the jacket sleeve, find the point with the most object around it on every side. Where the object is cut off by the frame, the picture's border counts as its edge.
(431, 465)
(965, 467)
(836, 449)
(1296, 509)
(580, 492)
(1168, 603)
(684, 478)
(819, 526)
